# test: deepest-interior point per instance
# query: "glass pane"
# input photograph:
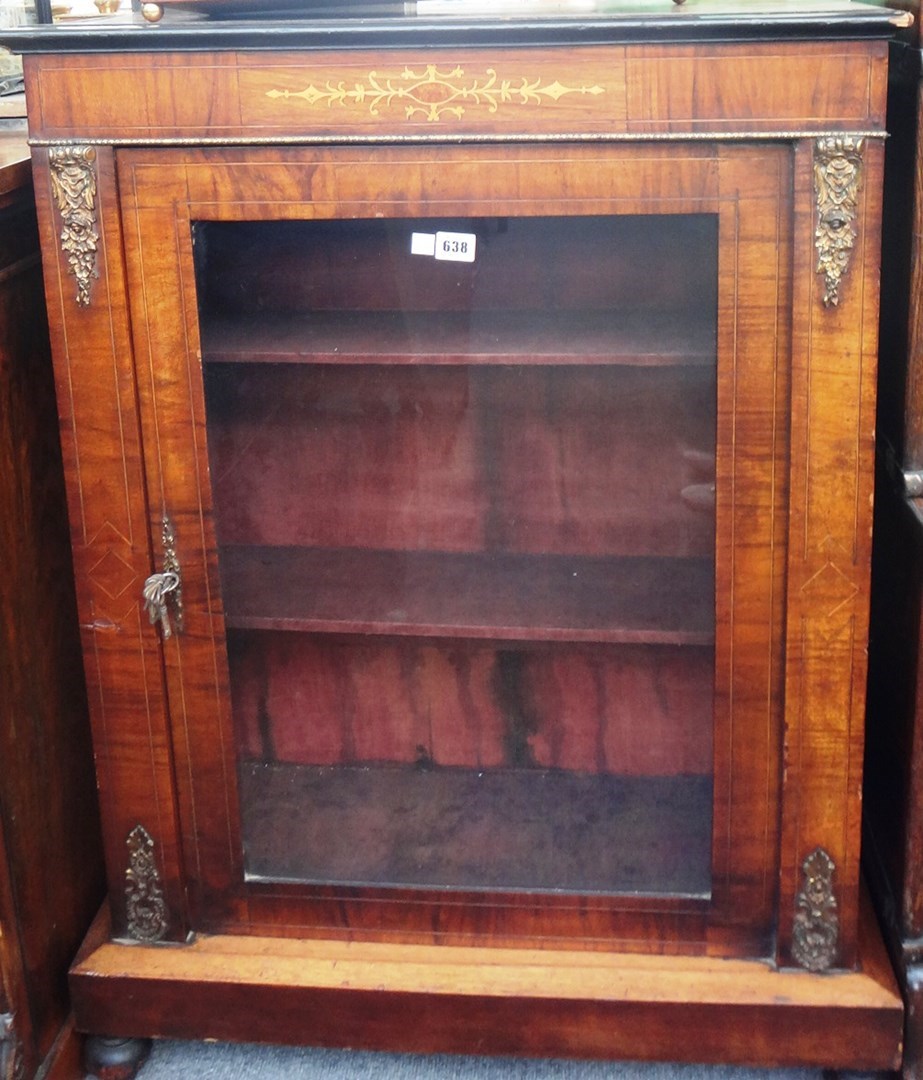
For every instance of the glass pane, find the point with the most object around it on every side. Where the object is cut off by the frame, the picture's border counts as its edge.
(465, 516)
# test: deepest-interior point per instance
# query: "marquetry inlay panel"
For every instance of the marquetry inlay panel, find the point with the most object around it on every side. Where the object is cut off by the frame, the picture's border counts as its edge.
(607, 91)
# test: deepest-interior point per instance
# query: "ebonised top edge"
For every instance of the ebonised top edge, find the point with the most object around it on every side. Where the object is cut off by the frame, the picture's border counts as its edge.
(711, 23)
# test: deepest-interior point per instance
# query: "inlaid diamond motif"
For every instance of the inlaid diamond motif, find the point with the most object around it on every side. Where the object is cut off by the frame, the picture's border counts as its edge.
(830, 589)
(112, 575)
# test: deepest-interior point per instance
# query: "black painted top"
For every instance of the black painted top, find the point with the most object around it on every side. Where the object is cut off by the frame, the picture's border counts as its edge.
(328, 24)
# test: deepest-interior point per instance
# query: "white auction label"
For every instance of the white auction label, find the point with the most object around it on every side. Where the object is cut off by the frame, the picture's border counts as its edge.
(448, 246)
(423, 243)
(455, 246)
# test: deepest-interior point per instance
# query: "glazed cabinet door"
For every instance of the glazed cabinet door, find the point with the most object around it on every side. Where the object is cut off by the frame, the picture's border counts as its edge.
(468, 483)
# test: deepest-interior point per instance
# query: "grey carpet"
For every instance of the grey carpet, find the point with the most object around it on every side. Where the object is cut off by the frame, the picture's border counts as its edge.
(172, 1060)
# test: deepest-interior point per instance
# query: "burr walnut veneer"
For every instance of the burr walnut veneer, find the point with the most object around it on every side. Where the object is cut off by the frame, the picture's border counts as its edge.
(469, 431)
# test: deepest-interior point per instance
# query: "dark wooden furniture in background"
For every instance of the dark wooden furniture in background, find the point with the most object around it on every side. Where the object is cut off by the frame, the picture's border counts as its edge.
(894, 761)
(51, 874)
(508, 661)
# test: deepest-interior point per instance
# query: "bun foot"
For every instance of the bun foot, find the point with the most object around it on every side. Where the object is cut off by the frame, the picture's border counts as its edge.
(114, 1059)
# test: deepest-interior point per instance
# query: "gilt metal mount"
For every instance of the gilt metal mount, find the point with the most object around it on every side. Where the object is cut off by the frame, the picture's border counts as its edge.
(837, 177)
(146, 907)
(165, 588)
(73, 185)
(817, 926)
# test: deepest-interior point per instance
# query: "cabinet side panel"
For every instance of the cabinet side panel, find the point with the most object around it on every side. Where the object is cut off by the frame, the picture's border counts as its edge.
(913, 403)
(894, 752)
(893, 759)
(112, 557)
(833, 417)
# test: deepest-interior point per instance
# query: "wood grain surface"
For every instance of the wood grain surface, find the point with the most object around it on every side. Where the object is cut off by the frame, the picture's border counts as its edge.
(631, 90)
(51, 879)
(723, 137)
(498, 1001)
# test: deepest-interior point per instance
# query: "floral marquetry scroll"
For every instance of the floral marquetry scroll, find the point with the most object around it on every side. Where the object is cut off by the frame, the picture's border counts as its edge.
(435, 94)
(73, 184)
(837, 175)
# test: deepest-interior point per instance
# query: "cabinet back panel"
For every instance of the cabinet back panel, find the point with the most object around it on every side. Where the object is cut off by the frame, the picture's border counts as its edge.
(533, 263)
(554, 460)
(308, 699)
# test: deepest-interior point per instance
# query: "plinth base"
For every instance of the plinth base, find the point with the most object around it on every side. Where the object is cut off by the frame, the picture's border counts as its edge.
(441, 999)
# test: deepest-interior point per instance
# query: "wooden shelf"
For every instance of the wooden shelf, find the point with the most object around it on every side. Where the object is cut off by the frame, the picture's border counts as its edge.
(462, 337)
(471, 595)
(523, 829)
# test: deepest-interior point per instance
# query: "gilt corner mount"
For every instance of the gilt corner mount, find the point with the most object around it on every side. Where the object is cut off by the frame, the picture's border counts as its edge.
(816, 927)
(837, 177)
(146, 907)
(73, 185)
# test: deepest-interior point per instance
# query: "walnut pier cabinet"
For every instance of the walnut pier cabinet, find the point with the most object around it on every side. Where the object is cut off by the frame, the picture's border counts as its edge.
(469, 429)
